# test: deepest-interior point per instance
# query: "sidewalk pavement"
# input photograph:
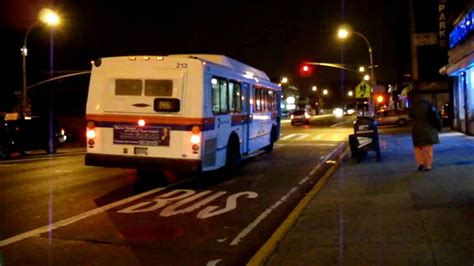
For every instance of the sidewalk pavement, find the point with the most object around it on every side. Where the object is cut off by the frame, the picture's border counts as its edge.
(388, 213)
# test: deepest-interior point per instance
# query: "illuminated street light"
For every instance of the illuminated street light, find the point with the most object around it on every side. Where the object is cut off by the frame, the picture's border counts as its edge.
(284, 80)
(325, 92)
(361, 69)
(350, 93)
(366, 77)
(345, 31)
(46, 16)
(314, 88)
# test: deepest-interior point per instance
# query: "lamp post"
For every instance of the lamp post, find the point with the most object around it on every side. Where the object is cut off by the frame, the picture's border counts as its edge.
(344, 33)
(48, 17)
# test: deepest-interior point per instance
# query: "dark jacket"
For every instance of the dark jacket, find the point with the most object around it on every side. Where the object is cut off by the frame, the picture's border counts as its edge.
(423, 132)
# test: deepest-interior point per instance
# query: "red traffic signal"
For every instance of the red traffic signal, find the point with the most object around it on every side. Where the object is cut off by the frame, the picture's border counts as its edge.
(306, 70)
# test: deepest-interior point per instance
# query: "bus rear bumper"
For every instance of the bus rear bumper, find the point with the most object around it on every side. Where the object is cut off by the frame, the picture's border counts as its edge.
(142, 163)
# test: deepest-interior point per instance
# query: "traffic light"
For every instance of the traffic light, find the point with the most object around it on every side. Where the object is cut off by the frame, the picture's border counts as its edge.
(306, 70)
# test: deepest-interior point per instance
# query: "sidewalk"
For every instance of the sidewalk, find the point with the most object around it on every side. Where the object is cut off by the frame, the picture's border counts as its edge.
(388, 213)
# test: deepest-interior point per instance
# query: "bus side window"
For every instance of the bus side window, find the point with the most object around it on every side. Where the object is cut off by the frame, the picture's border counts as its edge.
(235, 102)
(258, 100)
(215, 96)
(224, 96)
(220, 96)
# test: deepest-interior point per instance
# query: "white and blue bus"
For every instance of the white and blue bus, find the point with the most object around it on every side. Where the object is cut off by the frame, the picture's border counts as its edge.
(179, 112)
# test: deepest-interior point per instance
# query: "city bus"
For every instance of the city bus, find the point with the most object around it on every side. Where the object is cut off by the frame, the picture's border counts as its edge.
(179, 113)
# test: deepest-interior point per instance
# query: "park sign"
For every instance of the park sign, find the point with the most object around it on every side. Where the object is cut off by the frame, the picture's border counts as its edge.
(363, 90)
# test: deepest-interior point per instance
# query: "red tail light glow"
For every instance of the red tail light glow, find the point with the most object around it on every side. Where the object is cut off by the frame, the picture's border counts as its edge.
(195, 139)
(90, 133)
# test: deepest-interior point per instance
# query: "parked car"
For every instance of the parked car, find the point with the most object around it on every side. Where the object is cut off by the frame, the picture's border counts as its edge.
(388, 117)
(19, 134)
(300, 117)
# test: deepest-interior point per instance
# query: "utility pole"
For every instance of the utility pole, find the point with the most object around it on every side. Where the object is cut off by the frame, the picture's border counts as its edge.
(414, 52)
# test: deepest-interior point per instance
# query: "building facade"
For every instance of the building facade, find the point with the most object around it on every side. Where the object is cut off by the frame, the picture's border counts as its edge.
(461, 68)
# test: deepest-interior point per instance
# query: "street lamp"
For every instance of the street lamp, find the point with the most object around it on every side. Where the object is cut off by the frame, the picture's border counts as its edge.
(345, 31)
(314, 88)
(46, 16)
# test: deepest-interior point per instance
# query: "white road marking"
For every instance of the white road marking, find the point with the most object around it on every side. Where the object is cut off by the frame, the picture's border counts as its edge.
(49, 228)
(287, 137)
(213, 262)
(310, 144)
(304, 180)
(260, 218)
(319, 136)
(323, 159)
(301, 136)
(267, 212)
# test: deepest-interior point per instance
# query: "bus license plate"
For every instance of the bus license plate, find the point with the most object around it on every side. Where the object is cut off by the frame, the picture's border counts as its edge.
(141, 151)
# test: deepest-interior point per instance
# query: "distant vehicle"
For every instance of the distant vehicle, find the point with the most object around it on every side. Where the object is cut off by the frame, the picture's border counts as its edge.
(387, 117)
(20, 134)
(349, 109)
(300, 117)
(187, 113)
(338, 112)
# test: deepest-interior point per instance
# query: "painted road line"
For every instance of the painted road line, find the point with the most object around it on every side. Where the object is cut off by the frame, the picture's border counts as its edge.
(301, 136)
(261, 217)
(318, 137)
(68, 221)
(264, 214)
(323, 159)
(269, 247)
(287, 137)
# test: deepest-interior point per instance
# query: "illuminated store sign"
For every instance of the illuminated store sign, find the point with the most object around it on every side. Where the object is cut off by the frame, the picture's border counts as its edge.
(462, 29)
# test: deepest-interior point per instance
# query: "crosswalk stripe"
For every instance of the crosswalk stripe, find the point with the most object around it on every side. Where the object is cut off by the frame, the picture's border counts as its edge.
(301, 136)
(318, 137)
(287, 136)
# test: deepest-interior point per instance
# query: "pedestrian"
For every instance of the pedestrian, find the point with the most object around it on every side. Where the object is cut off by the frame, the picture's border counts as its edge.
(424, 129)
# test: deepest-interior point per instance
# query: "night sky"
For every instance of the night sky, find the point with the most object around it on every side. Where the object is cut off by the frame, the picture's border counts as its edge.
(274, 36)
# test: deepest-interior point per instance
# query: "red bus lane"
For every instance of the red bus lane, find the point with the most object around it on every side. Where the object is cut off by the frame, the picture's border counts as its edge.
(216, 220)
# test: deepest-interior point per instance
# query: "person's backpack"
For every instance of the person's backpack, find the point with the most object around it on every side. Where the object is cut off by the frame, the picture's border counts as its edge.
(434, 118)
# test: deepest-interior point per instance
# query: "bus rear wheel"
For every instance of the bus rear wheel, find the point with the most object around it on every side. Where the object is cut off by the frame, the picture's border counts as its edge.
(273, 138)
(232, 161)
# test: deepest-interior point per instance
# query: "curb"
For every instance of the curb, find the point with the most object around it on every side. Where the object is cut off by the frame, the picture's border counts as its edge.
(269, 247)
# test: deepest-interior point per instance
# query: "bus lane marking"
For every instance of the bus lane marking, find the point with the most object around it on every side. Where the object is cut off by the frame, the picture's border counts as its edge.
(172, 201)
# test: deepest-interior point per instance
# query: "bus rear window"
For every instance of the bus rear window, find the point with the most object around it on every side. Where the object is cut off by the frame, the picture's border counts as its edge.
(166, 105)
(128, 87)
(155, 87)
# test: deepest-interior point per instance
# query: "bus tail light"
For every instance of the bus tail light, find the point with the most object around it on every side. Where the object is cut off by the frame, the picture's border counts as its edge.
(90, 134)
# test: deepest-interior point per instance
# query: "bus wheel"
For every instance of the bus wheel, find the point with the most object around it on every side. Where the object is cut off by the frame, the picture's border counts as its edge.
(273, 137)
(232, 161)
